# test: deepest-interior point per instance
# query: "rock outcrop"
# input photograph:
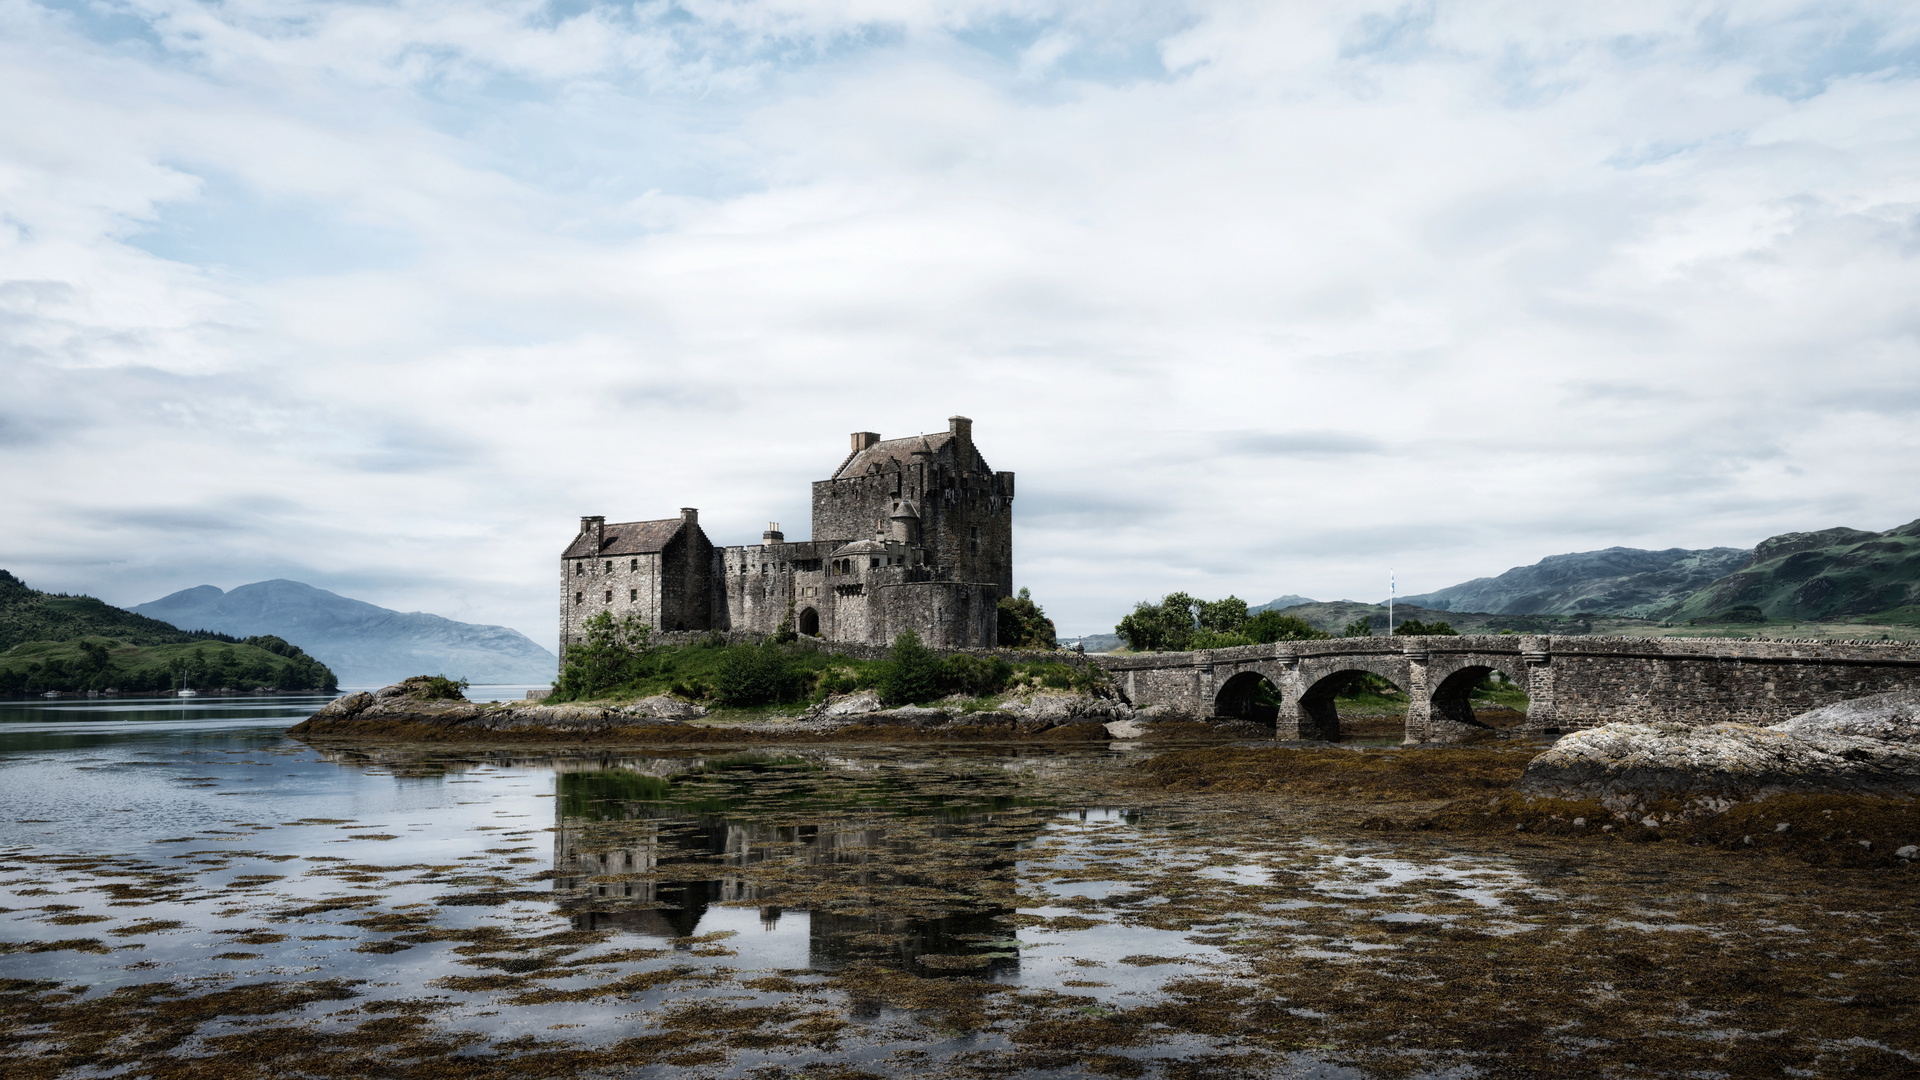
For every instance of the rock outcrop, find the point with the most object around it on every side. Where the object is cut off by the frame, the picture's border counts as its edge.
(1867, 746)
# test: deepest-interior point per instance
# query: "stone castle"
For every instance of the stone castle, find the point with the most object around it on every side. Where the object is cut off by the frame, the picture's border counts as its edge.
(908, 534)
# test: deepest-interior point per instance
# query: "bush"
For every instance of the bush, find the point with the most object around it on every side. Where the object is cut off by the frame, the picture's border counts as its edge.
(974, 676)
(755, 675)
(440, 688)
(912, 672)
(1432, 629)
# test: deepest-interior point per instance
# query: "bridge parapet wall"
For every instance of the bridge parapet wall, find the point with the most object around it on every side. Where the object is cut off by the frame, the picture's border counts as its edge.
(1571, 682)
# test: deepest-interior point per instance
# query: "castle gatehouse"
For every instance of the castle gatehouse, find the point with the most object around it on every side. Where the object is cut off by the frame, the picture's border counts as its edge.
(908, 534)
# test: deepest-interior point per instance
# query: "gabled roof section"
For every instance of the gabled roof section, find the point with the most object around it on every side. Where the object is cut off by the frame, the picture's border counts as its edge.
(626, 538)
(884, 455)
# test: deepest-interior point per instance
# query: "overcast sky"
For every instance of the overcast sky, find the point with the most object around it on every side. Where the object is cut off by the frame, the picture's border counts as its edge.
(1255, 298)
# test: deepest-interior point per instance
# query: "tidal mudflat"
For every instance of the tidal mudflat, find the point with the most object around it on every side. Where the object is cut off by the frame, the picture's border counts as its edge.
(188, 893)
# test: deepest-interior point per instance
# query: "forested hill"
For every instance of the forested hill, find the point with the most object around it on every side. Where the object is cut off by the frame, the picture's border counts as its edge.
(27, 614)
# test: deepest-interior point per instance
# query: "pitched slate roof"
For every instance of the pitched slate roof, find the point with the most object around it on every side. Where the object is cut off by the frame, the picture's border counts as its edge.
(884, 455)
(626, 538)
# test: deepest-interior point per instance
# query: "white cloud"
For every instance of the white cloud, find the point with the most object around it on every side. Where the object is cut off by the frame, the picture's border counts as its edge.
(1256, 298)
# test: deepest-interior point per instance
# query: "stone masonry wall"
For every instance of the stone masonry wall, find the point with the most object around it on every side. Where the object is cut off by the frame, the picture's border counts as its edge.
(1571, 682)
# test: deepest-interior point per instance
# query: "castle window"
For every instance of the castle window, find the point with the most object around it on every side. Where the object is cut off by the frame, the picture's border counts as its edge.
(874, 564)
(579, 598)
(609, 566)
(633, 595)
(635, 566)
(609, 596)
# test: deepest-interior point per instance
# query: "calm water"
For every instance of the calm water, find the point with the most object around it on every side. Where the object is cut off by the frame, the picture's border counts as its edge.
(766, 912)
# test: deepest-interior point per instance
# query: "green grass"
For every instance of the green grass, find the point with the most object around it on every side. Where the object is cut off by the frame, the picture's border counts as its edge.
(693, 673)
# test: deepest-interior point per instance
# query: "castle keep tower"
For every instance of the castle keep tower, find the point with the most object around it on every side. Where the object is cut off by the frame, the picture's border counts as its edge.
(908, 534)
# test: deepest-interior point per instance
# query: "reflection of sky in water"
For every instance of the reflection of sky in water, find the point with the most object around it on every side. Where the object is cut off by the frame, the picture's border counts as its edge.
(258, 836)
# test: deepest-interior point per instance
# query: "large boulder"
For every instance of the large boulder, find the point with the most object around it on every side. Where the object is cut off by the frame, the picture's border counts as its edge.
(1727, 760)
(1891, 717)
(662, 707)
(858, 703)
(1061, 708)
(1866, 746)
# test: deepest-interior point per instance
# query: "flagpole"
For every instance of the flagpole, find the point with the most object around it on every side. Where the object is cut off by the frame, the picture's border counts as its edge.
(1391, 591)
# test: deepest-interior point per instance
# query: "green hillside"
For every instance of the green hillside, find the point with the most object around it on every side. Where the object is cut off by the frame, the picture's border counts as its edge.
(28, 614)
(50, 641)
(100, 663)
(1829, 574)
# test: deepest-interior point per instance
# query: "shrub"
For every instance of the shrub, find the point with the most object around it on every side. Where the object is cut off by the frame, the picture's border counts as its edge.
(1432, 629)
(755, 675)
(974, 676)
(911, 673)
(1360, 627)
(440, 688)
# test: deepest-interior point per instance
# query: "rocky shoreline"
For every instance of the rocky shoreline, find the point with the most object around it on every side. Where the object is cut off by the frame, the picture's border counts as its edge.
(403, 712)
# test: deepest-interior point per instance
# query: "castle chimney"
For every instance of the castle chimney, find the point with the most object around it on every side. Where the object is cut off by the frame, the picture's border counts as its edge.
(773, 535)
(961, 427)
(689, 515)
(864, 439)
(594, 526)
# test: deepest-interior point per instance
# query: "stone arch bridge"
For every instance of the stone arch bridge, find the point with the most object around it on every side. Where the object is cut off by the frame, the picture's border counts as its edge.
(1571, 682)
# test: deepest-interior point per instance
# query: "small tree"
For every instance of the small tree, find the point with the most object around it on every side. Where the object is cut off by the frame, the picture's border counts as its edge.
(614, 654)
(1223, 616)
(1164, 627)
(1360, 627)
(1414, 627)
(912, 672)
(1023, 625)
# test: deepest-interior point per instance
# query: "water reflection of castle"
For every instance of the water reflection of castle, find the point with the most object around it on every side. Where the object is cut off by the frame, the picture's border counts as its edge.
(653, 868)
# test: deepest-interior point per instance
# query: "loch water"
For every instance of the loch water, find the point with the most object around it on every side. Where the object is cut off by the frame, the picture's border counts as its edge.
(184, 890)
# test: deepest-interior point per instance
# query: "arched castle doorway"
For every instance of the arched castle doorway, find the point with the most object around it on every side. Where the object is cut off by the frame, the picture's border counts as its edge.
(809, 622)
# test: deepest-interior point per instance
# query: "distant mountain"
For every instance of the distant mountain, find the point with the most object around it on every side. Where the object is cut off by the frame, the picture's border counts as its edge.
(1617, 581)
(1282, 602)
(27, 614)
(1818, 575)
(364, 644)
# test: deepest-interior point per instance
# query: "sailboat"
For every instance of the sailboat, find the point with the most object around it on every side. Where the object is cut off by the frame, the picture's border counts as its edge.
(186, 691)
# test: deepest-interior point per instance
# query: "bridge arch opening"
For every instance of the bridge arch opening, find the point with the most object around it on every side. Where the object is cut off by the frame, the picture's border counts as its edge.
(1354, 705)
(1481, 697)
(1249, 696)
